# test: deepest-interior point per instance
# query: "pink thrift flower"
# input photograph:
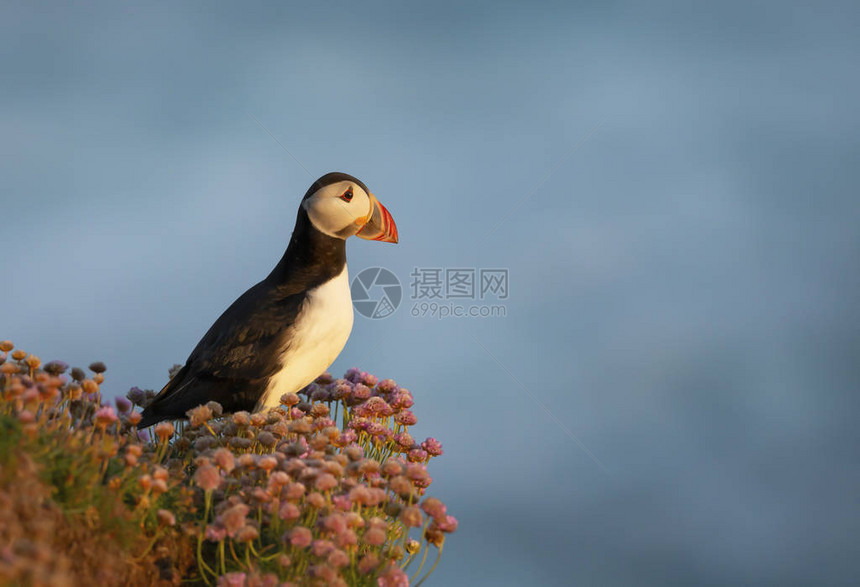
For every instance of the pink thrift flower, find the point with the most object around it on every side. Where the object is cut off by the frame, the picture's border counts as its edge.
(448, 524)
(338, 558)
(434, 535)
(342, 503)
(247, 534)
(423, 483)
(405, 418)
(392, 468)
(359, 424)
(198, 416)
(235, 579)
(386, 386)
(433, 507)
(267, 463)
(369, 467)
(353, 375)
(295, 491)
(377, 496)
(289, 511)
(432, 446)
(300, 537)
(289, 399)
(325, 482)
(247, 461)
(360, 392)
(416, 471)
(354, 520)
(324, 573)
(400, 485)
(122, 404)
(216, 408)
(322, 547)
(360, 495)
(315, 500)
(277, 480)
(375, 537)
(404, 440)
(320, 394)
(361, 411)
(215, 533)
(375, 406)
(105, 417)
(346, 539)
(340, 389)
(417, 455)
(53, 367)
(260, 496)
(393, 576)
(346, 440)
(166, 518)
(334, 523)
(377, 429)
(207, 478)
(411, 517)
(136, 395)
(224, 460)
(402, 399)
(368, 563)
(233, 518)
(164, 430)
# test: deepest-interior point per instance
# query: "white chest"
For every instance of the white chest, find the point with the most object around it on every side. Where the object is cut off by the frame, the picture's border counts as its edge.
(316, 339)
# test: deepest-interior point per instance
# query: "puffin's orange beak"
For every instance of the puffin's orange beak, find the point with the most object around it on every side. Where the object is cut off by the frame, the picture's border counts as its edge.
(379, 225)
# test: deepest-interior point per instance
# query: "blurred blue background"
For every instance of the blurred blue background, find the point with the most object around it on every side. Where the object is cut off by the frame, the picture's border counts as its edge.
(683, 283)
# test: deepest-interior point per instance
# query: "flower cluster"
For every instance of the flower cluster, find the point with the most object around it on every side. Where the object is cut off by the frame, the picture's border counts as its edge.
(71, 507)
(328, 489)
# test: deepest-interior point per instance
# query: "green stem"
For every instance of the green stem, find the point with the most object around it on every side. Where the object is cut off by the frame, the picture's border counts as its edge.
(438, 558)
(148, 548)
(423, 560)
(204, 568)
(233, 552)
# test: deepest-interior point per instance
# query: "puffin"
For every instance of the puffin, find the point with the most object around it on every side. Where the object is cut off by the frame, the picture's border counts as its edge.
(289, 328)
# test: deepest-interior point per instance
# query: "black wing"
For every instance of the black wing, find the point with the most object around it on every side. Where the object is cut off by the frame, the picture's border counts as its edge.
(233, 361)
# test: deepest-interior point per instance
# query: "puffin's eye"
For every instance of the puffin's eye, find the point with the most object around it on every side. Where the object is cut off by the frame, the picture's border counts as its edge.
(347, 195)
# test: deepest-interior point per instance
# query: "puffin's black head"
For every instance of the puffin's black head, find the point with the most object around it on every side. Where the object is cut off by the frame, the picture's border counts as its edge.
(341, 206)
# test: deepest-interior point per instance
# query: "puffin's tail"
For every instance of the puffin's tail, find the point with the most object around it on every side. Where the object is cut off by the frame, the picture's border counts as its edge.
(159, 408)
(150, 417)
